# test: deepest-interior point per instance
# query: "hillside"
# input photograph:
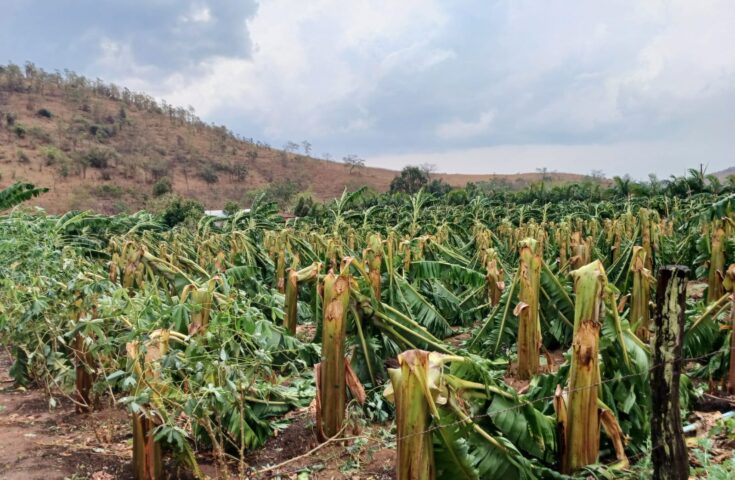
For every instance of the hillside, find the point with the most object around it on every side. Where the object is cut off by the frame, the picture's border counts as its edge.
(724, 174)
(102, 147)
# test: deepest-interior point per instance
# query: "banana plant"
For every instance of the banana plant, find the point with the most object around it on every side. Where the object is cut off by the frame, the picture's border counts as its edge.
(640, 311)
(440, 434)
(527, 309)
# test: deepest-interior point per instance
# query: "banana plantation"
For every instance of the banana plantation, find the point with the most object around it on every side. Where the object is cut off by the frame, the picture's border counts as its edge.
(489, 340)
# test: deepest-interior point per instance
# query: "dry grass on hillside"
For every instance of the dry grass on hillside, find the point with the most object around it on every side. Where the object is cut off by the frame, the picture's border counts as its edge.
(141, 146)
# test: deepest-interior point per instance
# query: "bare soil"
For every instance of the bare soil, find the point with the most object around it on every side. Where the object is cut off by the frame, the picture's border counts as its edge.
(363, 455)
(55, 444)
(38, 443)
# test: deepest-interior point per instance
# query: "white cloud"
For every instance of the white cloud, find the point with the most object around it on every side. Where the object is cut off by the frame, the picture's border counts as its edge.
(198, 14)
(118, 61)
(311, 60)
(422, 74)
(461, 129)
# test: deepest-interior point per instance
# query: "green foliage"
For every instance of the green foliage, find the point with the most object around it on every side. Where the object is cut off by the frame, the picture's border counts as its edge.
(102, 133)
(209, 175)
(410, 180)
(305, 206)
(280, 192)
(18, 193)
(175, 210)
(97, 158)
(126, 278)
(53, 155)
(107, 191)
(19, 130)
(162, 187)
(231, 208)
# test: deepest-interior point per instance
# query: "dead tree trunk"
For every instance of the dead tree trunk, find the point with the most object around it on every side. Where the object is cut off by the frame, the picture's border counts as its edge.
(669, 452)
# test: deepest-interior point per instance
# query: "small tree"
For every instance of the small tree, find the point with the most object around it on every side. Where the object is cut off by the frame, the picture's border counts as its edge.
(597, 175)
(353, 162)
(410, 180)
(428, 169)
(290, 147)
(438, 187)
(306, 146)
(175, 210)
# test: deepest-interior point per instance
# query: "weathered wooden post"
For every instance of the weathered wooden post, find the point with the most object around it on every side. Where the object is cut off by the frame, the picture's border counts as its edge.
(669, 452)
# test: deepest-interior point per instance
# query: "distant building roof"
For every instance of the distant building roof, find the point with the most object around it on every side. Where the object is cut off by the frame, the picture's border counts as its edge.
(221, 213)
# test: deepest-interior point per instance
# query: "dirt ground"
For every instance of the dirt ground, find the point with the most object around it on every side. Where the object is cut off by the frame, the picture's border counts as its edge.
(39, 443)
(364, 455)
(36, 443)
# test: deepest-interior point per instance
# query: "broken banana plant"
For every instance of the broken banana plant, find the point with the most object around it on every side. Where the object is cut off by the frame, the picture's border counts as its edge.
(290, 318)
(581, 417)
(439, 433)
(334, 374)
(716, 264)
(147, 452)
(581, 250)
(494, 277)
(373, 256)
(527, 309)
(640, 312)
(201, 303)
(729, 285)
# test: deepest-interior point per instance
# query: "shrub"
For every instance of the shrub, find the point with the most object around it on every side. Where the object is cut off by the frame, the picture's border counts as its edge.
(282, 192)
(457, 197)
(53, 155)
(107, 191)
(158, 168)
(209, 175)
(410, 180)
(23, 157)
(175, 209)
(19, 131)
(438, 187)
(39, 134)
(102, 133)
(240, 171)
(97, 158)
(162, 187)
(305, 206)
(231, 207)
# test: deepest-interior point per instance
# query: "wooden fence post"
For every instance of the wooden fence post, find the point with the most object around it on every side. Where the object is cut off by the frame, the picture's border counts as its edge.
(669, 452)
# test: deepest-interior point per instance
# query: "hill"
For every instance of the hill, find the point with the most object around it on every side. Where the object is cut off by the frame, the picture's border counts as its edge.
(103, 147)
(724, 174)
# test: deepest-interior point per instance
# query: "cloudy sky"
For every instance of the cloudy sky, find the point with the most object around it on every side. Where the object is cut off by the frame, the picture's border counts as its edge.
(474, 86)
